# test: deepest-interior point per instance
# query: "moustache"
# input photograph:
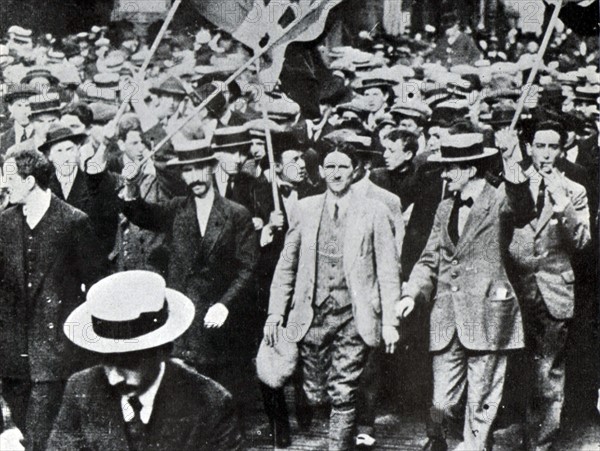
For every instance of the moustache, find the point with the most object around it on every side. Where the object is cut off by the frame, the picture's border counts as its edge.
(196, 183)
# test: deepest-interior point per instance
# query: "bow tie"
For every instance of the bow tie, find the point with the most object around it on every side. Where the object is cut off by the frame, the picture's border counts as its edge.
(285, 190)
(460, 202)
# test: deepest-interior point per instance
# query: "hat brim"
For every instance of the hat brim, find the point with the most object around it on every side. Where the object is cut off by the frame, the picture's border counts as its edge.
(51, 78)
(77, 138)
(231, 146)
(181, 315)
(159, 91)
(178, 162)
(487, 152)
(57, 110)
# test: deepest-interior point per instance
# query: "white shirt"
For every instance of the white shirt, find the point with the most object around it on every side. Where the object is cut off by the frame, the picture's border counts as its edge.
(472, 190)
(146, 399)
(203, 208)
(36, 207)
(221, 179)
(342, 202)
(19, 132)
(66, 182)
(289, 203)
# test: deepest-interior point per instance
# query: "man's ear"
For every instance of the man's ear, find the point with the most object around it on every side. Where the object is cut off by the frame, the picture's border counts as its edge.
(528, 149)
(30, 181)
(322, 172)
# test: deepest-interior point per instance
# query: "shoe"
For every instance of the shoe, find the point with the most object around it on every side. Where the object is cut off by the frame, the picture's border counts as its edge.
(435, 444)
(365, 441)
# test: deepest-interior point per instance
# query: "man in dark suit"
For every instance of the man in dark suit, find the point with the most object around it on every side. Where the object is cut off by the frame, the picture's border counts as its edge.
(213, 251)
(45, 264)
(17, 99)
(475, 317)
(138, 398)
(455, 47)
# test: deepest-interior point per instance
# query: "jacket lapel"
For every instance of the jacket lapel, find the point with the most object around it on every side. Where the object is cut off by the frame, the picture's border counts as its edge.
(354, 233)
(214, 227)
(478, 213)
(312, 232)
(109, 420)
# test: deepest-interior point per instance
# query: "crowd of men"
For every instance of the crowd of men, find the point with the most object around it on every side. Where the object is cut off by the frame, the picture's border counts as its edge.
(402, 229)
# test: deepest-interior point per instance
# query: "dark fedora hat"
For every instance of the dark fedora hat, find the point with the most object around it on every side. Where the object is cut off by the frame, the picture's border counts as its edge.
(170, 86)
(190, 153)
(18, 91)
(287, 140)
(502, 113)
(449, 19)
(59, 133)
(462, 147)
(231, 139)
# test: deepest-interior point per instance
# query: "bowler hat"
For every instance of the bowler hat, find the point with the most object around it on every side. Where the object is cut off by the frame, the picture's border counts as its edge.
(127, 312)
(462, 147)
(59, 133)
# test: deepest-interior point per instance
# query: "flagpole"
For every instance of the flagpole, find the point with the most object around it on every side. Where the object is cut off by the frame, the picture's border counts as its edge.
(271, 157)
(142, 71)
(217, 90)
(538, 61)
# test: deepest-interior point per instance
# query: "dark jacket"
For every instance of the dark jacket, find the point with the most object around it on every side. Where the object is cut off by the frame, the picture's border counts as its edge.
(191, 412)
(218, 267)
(32, 342)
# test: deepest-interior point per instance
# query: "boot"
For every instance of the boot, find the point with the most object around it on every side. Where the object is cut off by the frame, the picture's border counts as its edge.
(277, 413)
(342, 425)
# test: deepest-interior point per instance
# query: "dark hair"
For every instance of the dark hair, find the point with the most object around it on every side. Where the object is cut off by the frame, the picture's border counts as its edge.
(346, 148)
(128, 123)
(33, 163)
(82, 111)
(548, 125)
(409, 139)
(122, 359)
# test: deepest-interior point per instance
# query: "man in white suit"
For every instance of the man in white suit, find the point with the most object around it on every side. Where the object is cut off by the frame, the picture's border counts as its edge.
(334, 291)
(541, 271)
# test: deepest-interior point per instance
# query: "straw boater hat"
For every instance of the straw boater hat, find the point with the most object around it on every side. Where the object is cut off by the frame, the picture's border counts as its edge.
(230, 139)
(129, 311)
(190, 153)
(462, 147)
(18, 91)
(46, 103)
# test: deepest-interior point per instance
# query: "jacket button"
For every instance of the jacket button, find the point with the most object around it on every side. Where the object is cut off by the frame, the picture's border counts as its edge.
(49, 301)
(454, 262)
(50, 325)
(454, 288)
(454, 274)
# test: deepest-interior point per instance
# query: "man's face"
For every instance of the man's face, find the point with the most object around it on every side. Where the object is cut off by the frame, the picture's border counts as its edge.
(375, 99)
(452, 31)
(257, 149)
(410, 125)
(167, 105)
(436, 134)
(457, 177)
(20, 111)
(198, 177)
(133, 146)
(16, 186)
(293, 167)
(544, 150)
(394, 154)
(337, 171)
(231, 162)
(65, 157)
(132, 377)
(41, 124)
(73, 122)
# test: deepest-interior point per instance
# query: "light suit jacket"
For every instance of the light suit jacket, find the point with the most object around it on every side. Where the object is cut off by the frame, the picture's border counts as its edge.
(540, 252)
(370, 267)
(469, 275)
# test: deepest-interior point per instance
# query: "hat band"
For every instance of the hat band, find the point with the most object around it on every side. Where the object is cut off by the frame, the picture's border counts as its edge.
(122, 330)
(43, 106)
(461, 152)
(192, 155)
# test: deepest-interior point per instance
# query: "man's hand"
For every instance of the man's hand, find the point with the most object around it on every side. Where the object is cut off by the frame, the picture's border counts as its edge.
(216, 316)
(258, 223)
(404, 307)
(390, 338)
(507, 142)
(276, 219)
(271, 330)
(12, 439)
(559, 195)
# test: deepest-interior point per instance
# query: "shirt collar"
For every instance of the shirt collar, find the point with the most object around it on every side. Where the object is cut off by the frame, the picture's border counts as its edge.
(342, 202)
(147, 398)
(207, 200)
(473, 189)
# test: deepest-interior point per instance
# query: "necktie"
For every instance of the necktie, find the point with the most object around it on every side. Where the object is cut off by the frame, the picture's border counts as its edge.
(539, 203)
(136, 429)
(24, 135)
(285, 190)
(453, 221)
(229, 189)
(336, 212)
